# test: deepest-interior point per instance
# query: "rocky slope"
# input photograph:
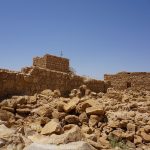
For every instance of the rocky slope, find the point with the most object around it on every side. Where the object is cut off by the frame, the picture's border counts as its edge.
(84, 121)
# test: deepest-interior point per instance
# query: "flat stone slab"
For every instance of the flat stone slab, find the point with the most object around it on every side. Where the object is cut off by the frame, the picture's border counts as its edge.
(81, 145)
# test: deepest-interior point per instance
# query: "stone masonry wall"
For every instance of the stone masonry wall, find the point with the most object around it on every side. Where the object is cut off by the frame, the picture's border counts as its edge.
(35, 79)
(133, 80)
(51, 72)
(52, 62)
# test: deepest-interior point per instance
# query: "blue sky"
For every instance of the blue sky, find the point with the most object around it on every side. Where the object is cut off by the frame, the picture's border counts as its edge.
(98, 36)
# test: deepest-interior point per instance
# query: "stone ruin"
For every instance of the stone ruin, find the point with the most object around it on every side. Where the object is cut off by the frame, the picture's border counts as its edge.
(132, 80)
(52, 63)
(113, 114)
(52, 72)
(48, 72)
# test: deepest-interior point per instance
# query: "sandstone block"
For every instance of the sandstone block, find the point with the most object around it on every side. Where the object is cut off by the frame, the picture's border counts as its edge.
(145, 136)
(72, 119)
(71, 104)
(95, 110)
(51, 127)
(72, 135)
(81, 145)
(94, 119)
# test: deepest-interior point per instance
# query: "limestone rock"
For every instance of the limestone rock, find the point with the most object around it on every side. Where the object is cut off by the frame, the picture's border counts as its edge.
(4, 115)
(95, 110)
(5, 132)
(83, 117)
(71, 105)
(51, 127)
(71, 135)
(147, 128)
(80, 145)
(47, 92)
(56, 93)
(145, 136)
(58, 115)
(131, 127)
(137, 139)
(72, 119)
(40, 139)
(94, 119)
(86, 129)
(8, 109)
(98, 146)
(105, 143)
(23, 111)
(43, 111)
(22, 100)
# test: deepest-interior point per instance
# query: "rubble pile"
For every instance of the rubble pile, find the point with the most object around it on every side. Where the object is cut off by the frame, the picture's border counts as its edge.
(84, 121)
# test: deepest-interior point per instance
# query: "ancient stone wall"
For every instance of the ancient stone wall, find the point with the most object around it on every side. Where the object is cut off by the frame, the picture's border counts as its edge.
(132, 80)
(35, 79)
(51, 72)
(52, 62)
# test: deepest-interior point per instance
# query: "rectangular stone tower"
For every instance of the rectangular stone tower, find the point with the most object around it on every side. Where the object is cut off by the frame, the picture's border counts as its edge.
(52, 62)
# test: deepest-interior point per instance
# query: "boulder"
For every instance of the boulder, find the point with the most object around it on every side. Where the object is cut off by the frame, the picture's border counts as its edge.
(43, 111)
(6, 132)
(80, 145)
(71, 104)
(83, 117)
(145, 136)
(72, 135)
(8, 109)
(38, 138)
(86, 129)
(23, 111)
(137, 139)
(95, 110)
(47, 92)
(131, 127)
(5, 115)
(22, 100)
(104, 142)
(94, 119)
(147, 128)
(58, 115)
(72, 119)
(51, 127)
(56, 93)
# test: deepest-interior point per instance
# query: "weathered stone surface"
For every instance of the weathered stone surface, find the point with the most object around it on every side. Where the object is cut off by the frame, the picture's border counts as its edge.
(71, 135)
(147, 128)
(43, 111)
(47, 92)
(94, 119)
(40, 139)
(122, 114)
(72, 119)
(70, 146)
(51, 127)
(71, 105)
(145, 137)
(83, 117)
(23, 111)
(95, 110)
(131, 127)
(5, 132)
(137, 139)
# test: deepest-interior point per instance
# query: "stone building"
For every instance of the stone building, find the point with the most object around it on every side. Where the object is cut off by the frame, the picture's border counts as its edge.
(52, 62)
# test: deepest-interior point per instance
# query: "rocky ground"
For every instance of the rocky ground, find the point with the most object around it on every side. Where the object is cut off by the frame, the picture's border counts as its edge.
(84, 121)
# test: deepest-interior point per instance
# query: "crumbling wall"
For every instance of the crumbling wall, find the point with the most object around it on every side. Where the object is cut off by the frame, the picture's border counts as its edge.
(132, 80)
(52, 62)
(34, 79)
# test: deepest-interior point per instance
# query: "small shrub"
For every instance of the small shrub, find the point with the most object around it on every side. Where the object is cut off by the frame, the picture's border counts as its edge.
(114, 142)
